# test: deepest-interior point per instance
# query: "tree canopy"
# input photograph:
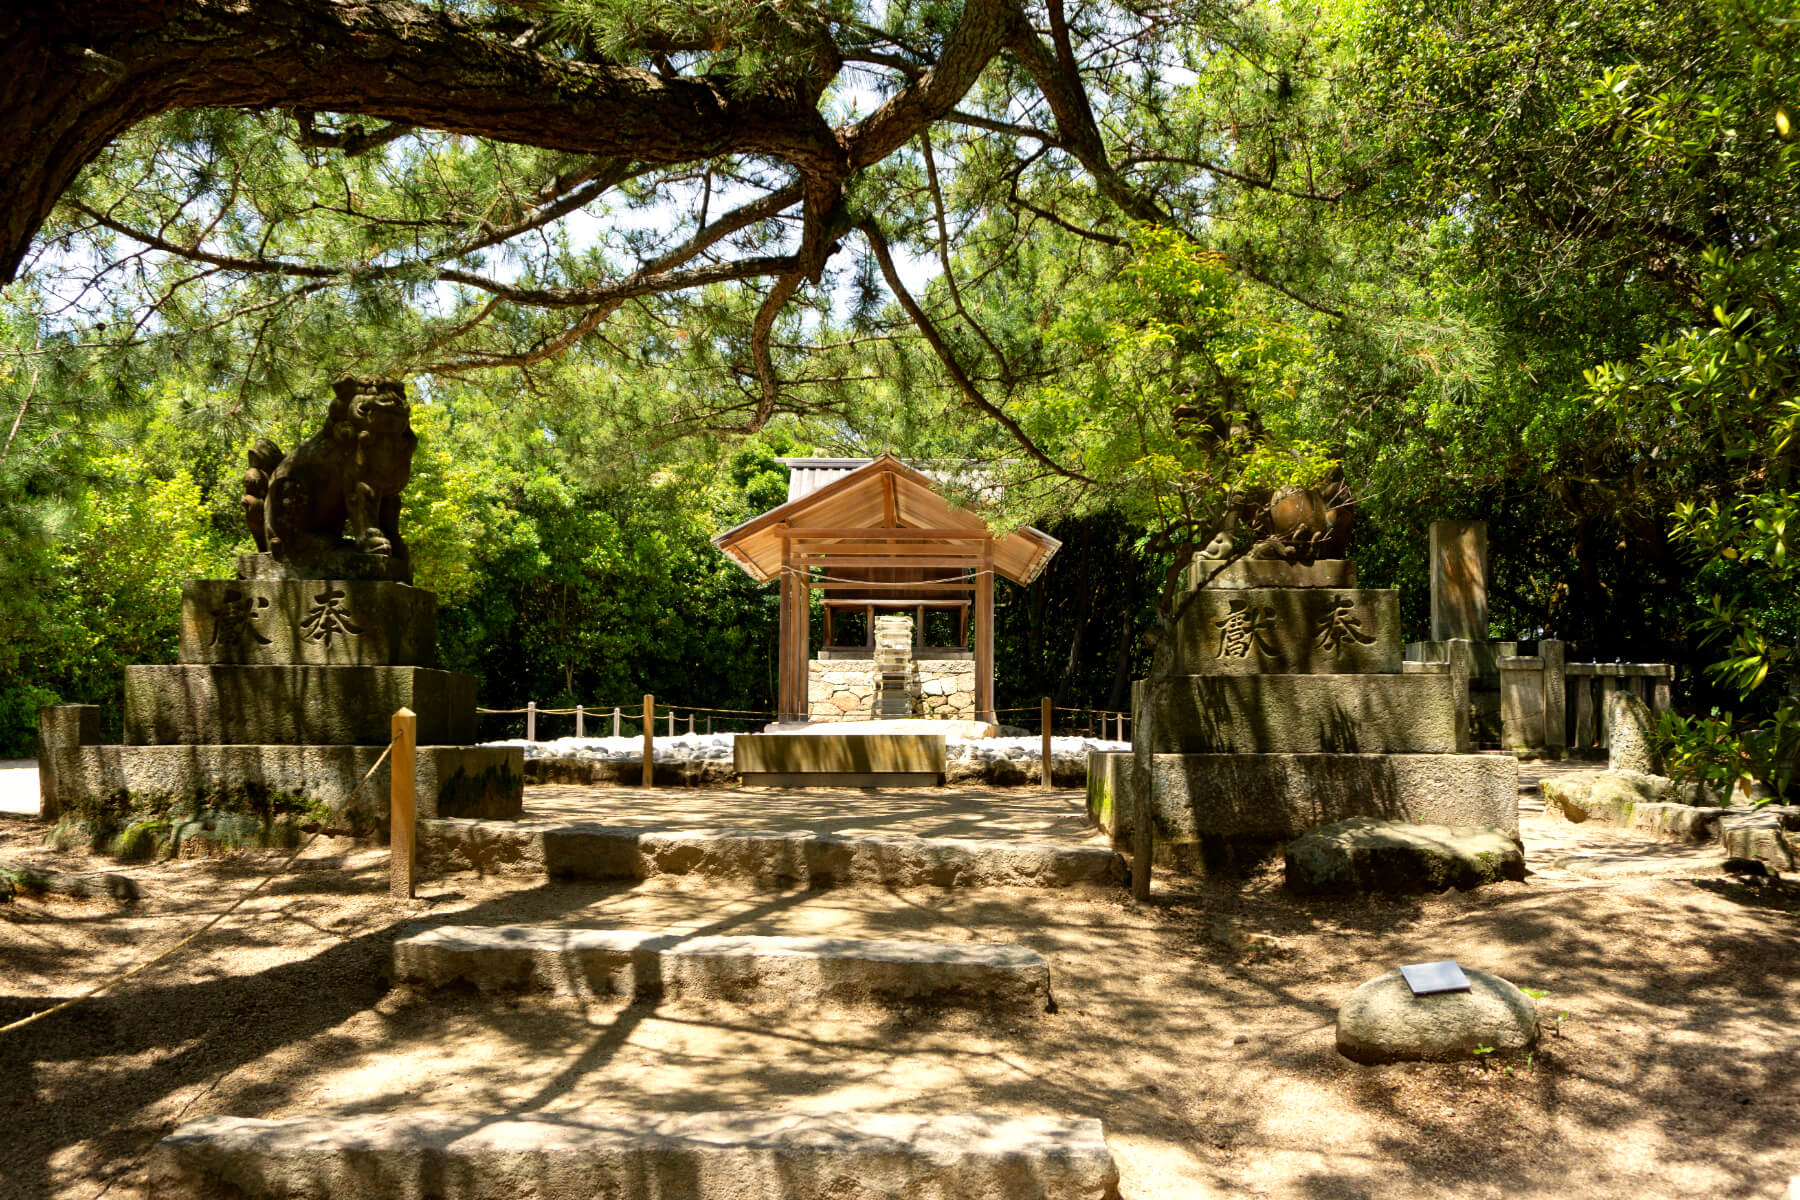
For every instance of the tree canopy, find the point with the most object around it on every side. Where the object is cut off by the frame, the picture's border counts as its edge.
(1511, 260)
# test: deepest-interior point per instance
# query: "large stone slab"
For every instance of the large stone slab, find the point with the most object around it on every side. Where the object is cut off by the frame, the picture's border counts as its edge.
(1631, 741)
(577, 850)
(1382, 1021)
(1366, 855)
(648, 965)
(840, 759)
(1459, 580)
(1273, 797)
(1302, 631)
(110, 787)
(361, 623)
(642, 1155)
(293, 705)
(1300, 714)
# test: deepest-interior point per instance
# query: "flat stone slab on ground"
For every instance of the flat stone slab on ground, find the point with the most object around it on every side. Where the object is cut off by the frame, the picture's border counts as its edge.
(578, 850)
(1364, 855)
(641, 965)
(1762, 835)
(1382, 1021)
(642, 1155)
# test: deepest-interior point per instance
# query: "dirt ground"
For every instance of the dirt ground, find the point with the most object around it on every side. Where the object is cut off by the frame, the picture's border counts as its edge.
(1197, 1027)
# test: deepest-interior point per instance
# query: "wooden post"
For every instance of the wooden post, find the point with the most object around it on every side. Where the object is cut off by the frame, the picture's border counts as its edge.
(531, 720)
(649, 740)
(615, 720)
(671, 722)
(803, 645)
(984, 634)
(402, 804)
(1049, 773)
(580, 727)
(1143, 804)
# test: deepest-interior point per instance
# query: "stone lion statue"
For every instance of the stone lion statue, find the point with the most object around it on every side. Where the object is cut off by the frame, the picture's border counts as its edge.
(351, 470)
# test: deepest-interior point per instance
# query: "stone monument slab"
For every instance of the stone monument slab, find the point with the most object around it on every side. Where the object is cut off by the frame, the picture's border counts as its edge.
(355, 623)
(1296, 631)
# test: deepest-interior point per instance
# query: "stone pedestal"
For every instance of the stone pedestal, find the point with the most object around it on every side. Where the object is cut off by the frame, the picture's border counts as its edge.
(282, 701)
(1279, 703)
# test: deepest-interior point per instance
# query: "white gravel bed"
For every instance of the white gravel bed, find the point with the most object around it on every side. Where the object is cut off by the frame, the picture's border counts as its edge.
(703, 747)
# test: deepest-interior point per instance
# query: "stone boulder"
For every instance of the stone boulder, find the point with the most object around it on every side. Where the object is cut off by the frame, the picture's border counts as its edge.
(1384, 1022)
(1606, 796)
(1631, 735)
(1366, 855)
(1759, 835)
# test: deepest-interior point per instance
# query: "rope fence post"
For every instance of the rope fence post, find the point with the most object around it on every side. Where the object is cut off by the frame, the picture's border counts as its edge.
(649, 740)
(615, 720)
(1045, 716)
(671, 722)
(402, 805)
(691, 724)
(580, 722)
(531, 720)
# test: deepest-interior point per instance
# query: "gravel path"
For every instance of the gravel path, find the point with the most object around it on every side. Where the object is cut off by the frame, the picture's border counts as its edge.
(18, 786)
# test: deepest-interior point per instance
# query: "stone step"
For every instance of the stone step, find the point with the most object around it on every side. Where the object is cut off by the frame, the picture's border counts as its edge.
(579, 850)
(645, 965)
(646, 1156)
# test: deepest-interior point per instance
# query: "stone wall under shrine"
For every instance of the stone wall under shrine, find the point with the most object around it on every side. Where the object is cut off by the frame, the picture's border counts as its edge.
(849, 689)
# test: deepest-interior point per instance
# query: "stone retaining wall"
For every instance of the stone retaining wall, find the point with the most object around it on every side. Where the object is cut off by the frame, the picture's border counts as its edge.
(850, 689)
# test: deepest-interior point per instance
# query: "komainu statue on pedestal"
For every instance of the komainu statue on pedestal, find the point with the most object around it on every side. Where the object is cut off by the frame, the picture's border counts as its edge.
(354, 470)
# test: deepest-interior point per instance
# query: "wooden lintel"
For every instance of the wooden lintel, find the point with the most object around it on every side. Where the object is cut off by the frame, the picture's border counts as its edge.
(963, 562)
(903, 602)
(916, 584)
(873, 534)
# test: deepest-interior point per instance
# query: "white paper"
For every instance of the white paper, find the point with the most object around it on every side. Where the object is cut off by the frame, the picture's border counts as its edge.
(1427, 978)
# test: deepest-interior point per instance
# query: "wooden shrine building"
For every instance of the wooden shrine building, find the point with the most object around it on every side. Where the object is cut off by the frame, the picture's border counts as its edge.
(877, 535)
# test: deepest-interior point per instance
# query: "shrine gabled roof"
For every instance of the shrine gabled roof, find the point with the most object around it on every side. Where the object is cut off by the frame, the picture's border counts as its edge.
(883, 494)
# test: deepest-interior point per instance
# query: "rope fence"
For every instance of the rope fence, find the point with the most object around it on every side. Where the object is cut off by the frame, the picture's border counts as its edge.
(217, 918)
(628, 720)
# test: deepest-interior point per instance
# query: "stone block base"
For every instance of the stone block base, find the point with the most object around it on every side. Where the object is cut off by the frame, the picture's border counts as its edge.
(1275, 797)
(840, 759)
(652, 1155)
(1300, 714)
(293, 705)
(641, 965)
(112, 788)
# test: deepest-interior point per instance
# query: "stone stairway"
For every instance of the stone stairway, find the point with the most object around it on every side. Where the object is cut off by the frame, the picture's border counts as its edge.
(755, 979)
(893, 663)
(754, 858)
(639, 1156)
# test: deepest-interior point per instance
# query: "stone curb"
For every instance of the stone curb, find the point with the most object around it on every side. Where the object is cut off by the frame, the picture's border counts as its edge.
(649, 1156)
(640, 965)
